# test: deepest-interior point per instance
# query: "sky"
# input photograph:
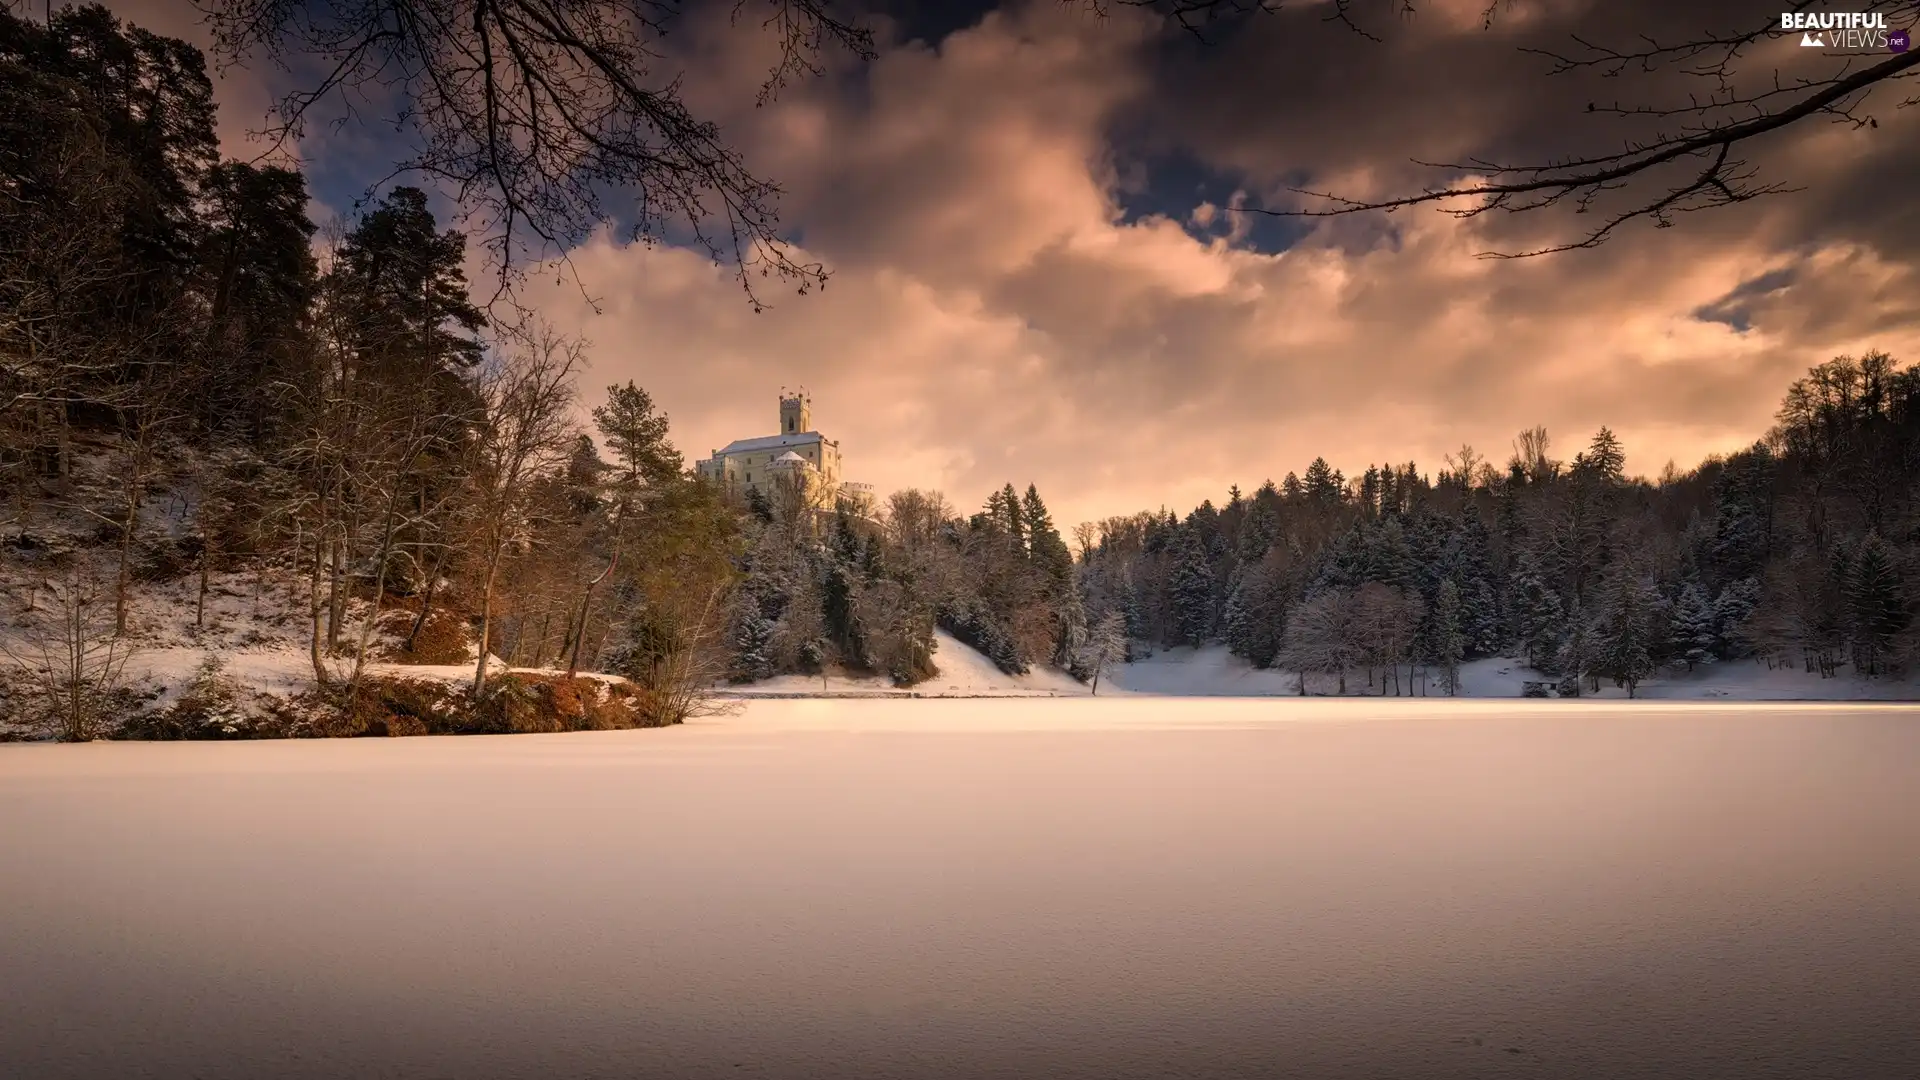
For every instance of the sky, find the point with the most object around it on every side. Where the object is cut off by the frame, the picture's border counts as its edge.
(1036, 279)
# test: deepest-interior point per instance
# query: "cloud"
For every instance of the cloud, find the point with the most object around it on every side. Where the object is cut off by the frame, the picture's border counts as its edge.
(1025, 290)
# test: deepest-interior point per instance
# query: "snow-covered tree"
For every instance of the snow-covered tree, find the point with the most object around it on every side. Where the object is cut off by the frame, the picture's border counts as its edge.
(1538, 617)
(1449, 638)
(1104, 646)
(1190, 590)
(1691, 630)
(1875, 608)
(1625, 634)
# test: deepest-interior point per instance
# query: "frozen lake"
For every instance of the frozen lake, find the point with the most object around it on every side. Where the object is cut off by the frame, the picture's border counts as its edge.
(982, 889)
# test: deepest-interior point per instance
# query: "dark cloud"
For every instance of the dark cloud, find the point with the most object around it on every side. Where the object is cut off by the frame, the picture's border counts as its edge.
(1037, 277)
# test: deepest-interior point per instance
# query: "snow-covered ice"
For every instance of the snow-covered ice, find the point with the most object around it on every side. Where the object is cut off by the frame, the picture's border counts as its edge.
(1127, 889)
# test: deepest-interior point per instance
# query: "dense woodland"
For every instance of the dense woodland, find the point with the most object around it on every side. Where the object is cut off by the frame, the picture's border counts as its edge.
(333, 404)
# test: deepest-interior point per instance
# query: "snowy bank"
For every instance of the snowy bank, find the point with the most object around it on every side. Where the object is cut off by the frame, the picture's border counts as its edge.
(1213, 671)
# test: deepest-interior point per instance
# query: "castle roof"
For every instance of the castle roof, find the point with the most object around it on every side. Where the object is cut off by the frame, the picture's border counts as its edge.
(769, 442)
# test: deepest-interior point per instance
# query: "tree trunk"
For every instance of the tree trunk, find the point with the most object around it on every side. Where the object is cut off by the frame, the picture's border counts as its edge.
(486, 621)
(372, 621)
(123, 578)
(540, 642)
(586, 608)
(426, 601)
(200, 601)
(314, 608)
(336, 594)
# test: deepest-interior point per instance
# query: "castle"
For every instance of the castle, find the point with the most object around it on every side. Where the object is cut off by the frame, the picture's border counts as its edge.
(757, 464)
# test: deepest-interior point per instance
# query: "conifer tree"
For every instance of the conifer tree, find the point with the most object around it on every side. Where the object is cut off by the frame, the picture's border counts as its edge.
(636, 433)
(1046, 548)
(1449, 637)
(1323, 483)
(1538, 617)
(1692, 627)
(1480, 616)
(1874, 607)
(753, 639)
(1625, 652)
(1731, 610)
(1254, 621)
(1190, 585)
(1132, 610)
(1579, 652)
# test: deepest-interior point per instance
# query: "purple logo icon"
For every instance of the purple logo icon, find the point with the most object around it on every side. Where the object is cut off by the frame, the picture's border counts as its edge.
(1899, 41)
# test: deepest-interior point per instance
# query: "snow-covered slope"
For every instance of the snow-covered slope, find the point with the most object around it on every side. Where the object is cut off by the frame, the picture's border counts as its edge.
(1214, 672)
(964, 672)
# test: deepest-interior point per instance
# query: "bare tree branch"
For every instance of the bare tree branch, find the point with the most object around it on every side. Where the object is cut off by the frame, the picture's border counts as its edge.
(1729, 114)
(541, 116)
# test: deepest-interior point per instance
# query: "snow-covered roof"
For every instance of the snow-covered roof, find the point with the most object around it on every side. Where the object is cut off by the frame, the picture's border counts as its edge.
(769, 442)
(789, 456)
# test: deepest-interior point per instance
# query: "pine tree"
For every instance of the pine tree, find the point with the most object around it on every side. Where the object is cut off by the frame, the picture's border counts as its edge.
(1579, 652)
(1262, 526)
(1874, 607)
(1605, 458)
(1743, 502)
(1234, 621)
(753, 637)
(1323, 483)
(1132, 611)
(1692, 627)
(1731, 610)
(1625, 653)
(260, 277)
(1389, 557)
(1481, 618)
(1045, 547)
(1190, 584)
(1449, 638)
(1254, 619)
(637, 435)
(401, 281)
(1538, 617)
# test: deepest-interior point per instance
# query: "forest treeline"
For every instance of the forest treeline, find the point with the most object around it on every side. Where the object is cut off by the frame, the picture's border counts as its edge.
(332, 402)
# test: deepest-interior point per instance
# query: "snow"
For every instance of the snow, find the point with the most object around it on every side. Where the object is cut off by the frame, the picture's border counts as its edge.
(1067, 889)
(963, 672)
(1213, 671)
(768, 442)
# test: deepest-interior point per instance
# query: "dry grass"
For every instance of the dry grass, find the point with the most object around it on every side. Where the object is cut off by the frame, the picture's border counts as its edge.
(515, 704)
(443, 639)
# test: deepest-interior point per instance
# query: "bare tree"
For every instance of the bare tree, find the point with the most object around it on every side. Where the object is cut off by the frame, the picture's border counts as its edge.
(1104, 646)
(1323, 636)
(532, 111)
(526, 432)
(1384, 622)
(73, 659)
(1702, 123)
(58, 254)
(675, 655)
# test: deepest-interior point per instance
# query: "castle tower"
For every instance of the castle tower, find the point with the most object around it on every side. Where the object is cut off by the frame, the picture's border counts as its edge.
(796, 413)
